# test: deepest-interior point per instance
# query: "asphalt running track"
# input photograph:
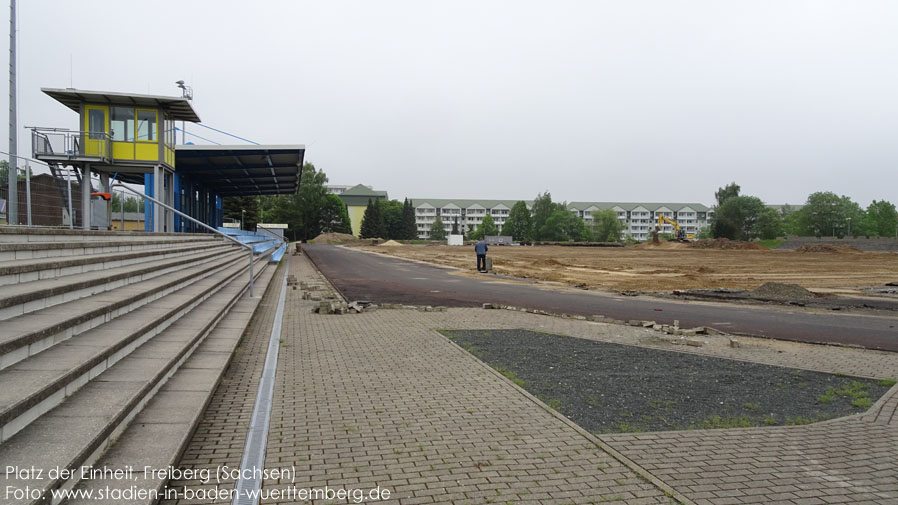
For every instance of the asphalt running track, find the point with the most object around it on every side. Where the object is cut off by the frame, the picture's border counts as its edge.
(381, 279)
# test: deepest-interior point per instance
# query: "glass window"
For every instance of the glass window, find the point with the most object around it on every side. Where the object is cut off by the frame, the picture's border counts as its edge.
(146, 125)
(96, 123)
(121, 121)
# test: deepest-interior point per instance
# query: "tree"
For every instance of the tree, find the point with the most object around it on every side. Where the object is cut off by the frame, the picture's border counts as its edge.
(437, 230)
(334, 217)
(455, 226)
(825, 213)
(723, 194)
(882, 219)
(563, 226)
(391, 212)
(543, 208)
(736, 217)
(409, 226)
(4, 173)
(373, 222)
(310, 198)
(519, 224)
(487, 228)
(242, 209)
(769, 224)
(606, 227)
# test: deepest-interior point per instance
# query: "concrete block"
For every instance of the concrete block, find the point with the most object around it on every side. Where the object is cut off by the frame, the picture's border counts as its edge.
(735, 343)
(694, 342)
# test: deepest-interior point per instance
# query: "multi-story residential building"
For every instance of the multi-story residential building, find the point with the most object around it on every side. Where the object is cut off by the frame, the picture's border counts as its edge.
(469, 213)
(638, 219)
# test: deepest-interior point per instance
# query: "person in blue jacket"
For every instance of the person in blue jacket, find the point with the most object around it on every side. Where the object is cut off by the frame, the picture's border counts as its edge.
(480, 248)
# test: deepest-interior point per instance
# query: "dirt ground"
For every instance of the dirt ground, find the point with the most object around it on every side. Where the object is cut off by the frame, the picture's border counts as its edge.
(670, 266)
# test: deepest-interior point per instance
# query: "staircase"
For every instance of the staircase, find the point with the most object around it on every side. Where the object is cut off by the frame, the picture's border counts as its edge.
(111, 344)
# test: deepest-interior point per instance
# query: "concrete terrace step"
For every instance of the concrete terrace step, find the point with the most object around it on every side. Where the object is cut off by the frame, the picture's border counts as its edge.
(22, 234)
(18, 271)
(32, 250)
(81, 429)
(38, 384)
(157, 436)
(31, 333)
(27, 297)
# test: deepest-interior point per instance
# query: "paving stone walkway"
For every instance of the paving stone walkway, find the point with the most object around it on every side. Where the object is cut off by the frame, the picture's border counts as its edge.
(382, 399)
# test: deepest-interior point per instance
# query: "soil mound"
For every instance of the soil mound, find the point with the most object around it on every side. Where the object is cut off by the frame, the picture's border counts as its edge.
(782, 291)
(390, 243)
(336, 238)
(827, 248)
(725, 243)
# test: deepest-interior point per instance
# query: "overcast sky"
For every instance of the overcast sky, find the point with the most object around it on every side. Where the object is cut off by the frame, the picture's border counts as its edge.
(592, 100)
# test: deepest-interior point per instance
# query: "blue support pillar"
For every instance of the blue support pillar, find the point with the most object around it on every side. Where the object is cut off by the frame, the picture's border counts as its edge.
(147, 205)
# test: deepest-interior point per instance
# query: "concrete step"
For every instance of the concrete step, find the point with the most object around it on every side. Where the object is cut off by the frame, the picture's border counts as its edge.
(19, 271)
(26, 297)
(39, 383)
(32, 250)
(23, 234)
(159, 434)
(80, 430)
(29, 334)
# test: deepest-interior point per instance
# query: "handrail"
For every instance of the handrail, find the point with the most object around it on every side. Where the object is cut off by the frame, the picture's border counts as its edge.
(204, 225)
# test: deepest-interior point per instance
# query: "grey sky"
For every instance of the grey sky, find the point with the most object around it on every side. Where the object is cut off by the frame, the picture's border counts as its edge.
(615, 100)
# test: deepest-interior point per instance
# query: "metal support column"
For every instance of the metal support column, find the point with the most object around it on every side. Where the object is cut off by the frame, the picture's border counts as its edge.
(158, 192)
(85, 197)
(105, 188)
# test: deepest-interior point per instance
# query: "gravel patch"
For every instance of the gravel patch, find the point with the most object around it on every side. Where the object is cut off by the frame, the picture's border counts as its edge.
(608, 388)
(779, 290)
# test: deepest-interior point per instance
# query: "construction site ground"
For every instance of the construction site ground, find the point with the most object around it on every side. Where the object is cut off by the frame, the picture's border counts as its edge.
(668, 266)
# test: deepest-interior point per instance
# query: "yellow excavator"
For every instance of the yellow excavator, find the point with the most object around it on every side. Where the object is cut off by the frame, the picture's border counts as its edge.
(680, 236)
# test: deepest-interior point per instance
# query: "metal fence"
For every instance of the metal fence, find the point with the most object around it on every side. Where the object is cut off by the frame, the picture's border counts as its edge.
(45, 200)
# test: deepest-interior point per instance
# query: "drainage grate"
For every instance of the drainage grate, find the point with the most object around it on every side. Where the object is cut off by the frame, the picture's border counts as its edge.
(247, 489)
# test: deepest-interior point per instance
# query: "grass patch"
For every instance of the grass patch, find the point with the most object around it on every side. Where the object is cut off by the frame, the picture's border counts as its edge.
(715, 422)
(771, 243)
(553, 403)
(887, 383)
(511, 376)
(863, 403)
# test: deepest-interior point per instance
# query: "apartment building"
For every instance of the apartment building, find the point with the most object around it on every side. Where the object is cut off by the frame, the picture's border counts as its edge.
(637, 219)
(468, 213)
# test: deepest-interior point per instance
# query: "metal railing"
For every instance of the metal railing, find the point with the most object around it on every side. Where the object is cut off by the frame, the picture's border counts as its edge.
(62, 142)
(204, 225)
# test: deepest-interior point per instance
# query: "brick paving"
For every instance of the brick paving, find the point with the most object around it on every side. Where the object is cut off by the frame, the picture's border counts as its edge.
(220, 437)
(382, 399)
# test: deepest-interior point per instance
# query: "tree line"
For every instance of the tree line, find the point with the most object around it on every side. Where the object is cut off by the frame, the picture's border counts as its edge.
(744, 217)
(312, 210)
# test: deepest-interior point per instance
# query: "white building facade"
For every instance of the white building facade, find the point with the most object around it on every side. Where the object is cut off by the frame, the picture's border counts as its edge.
(638, 219)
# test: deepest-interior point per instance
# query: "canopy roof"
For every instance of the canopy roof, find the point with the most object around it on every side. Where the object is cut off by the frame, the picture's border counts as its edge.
(242, 170)
(178, 108)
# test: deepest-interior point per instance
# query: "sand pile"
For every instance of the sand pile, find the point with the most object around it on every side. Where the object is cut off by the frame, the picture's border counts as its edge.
(724, 243)
(390, 243)
(336, 238)
(827, 248)
(781, 291)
